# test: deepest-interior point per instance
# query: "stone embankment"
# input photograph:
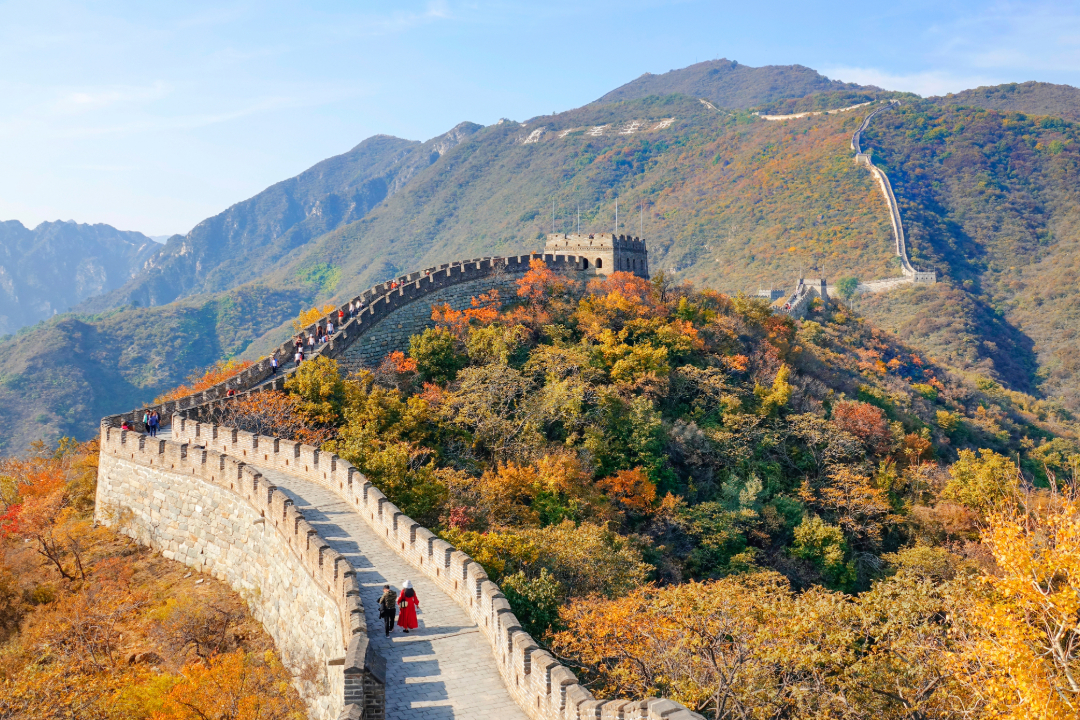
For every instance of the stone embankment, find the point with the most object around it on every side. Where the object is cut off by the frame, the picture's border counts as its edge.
(198, 494)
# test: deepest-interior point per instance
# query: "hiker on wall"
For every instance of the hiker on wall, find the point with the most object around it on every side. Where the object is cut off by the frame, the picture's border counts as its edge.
(408, 602)
(153, 422)
(388, 609)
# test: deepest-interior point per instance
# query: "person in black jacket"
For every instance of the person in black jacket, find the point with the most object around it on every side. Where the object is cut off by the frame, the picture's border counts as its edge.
(388, 608)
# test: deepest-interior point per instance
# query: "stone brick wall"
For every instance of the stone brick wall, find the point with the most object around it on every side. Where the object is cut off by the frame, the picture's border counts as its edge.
(213, 513)
(541, 685)
(393, 332)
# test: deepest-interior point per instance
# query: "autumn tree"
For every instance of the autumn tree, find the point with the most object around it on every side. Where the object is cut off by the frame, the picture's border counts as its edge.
(865, 422)
(198, 382)
(1027, 650)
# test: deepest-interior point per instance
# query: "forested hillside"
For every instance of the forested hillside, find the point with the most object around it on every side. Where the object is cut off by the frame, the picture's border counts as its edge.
(685, 495)
(57, 265)
(991, 201)
(92, 626)
(1035, 98)
(61, 377)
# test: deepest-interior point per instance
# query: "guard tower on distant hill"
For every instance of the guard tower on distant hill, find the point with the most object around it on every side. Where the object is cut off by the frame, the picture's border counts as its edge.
(602, 253)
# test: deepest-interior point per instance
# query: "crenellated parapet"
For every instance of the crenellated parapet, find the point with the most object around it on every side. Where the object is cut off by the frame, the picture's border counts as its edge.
(541, 686)
(365, 339)
(214, 512)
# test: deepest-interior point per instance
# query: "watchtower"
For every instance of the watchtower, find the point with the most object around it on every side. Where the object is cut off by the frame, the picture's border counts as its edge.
(602, 253)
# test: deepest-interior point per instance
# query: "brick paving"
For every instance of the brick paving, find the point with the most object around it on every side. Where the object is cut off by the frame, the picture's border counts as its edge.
(442, 670)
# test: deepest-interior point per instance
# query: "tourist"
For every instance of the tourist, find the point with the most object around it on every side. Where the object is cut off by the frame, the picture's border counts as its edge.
(124, 425)
(311, 343)
(273, 363)
(152, 423)
(408, 602)
(340, 318)
(329, 328)
(299, 357)
(146, 419)
(387, 609)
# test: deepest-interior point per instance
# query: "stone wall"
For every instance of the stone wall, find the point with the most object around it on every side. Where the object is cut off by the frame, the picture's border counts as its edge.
(211, 512)
(541, 685)
(393, 332)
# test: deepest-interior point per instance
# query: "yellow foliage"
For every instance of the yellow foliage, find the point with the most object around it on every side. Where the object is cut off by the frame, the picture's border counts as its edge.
(311, 316)
(1029, 648)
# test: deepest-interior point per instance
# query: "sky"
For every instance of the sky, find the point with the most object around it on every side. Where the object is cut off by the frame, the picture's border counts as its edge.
(153, 116)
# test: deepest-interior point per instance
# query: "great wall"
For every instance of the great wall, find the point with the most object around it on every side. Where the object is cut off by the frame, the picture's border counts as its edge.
(228, 503)
(304, 536)
(909, 274)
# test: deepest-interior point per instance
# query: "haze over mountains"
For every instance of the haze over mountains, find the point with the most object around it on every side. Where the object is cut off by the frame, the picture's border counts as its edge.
(53, 267)
(725, 199)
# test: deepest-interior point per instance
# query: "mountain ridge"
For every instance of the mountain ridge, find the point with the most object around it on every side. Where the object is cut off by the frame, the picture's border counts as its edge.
(729, 84)
(56, 265)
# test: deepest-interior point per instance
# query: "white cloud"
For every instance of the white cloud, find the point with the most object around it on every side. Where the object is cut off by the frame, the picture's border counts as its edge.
(101, 97)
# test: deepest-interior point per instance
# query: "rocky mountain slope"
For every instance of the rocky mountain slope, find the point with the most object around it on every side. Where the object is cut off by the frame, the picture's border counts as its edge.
(726, 199)
(243, 242)
(56, 265)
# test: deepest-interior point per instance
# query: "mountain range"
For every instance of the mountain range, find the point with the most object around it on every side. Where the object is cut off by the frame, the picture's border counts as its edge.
(985, 180)
(57, 265)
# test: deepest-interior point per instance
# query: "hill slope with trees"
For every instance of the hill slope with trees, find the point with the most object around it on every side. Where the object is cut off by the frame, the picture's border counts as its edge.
(685, 495)
(990, 201)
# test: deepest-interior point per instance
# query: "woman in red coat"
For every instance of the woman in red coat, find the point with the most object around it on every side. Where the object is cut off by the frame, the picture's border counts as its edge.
(408, 602)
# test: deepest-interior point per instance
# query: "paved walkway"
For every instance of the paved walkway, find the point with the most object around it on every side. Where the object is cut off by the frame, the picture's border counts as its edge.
(442, 670)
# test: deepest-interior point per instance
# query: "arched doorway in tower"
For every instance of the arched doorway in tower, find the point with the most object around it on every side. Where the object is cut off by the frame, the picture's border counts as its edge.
(599, 263)
(584, 263)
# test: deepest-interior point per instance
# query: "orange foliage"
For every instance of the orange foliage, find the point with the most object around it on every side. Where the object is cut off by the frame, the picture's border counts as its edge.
(630, 488)
(219, 373)
(484, 310)
(865, 422)
(232, 686)
(616, 301)
(540, 282)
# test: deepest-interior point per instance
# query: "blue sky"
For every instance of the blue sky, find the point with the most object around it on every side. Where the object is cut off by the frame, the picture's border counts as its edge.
(152, 116)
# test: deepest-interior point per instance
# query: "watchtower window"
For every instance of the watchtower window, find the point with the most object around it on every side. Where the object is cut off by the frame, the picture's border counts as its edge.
(599, 263)
(584, 263)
